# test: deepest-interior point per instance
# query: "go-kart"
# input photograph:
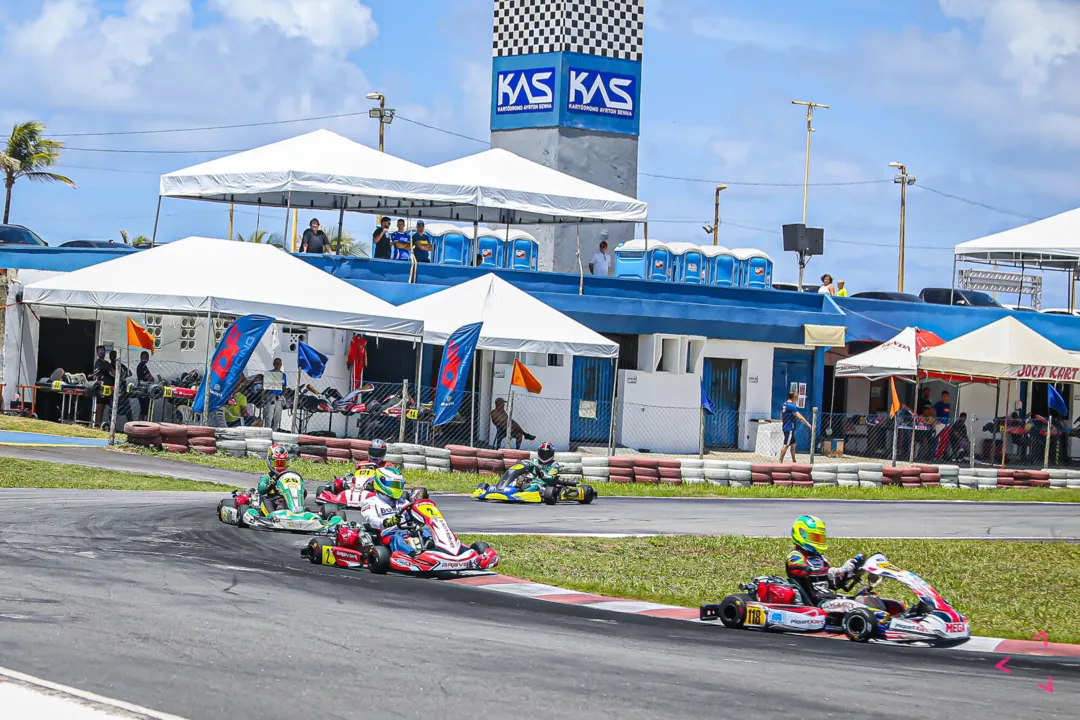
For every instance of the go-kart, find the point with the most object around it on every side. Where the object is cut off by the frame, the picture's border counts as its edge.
(511, 488)
(283, 511)
(772, 603)
(434, 546)
(351, 492)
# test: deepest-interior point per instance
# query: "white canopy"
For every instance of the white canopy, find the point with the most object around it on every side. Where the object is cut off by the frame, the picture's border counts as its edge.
(319, 170)
(514, 321)
(1053, 243)
(894, 358)
(1005, 349)
(522, 192)
(200, 275)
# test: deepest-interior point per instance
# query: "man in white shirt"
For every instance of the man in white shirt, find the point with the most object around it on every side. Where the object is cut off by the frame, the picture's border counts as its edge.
(599, 263)
(274, 385)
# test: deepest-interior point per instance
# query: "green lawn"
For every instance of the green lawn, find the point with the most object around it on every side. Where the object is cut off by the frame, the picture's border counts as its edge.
(16, 473)
(1007, 589)
(30, 425)
(465, 483)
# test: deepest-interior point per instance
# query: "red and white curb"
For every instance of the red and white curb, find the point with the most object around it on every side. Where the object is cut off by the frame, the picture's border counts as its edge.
(25, 697)
(551, 593)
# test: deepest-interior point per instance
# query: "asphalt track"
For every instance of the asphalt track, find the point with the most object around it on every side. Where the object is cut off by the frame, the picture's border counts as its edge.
(163, 606)
(712, 516)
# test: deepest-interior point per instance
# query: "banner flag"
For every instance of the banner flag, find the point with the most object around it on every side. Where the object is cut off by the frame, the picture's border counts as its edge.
(454, 371)
(138, 336)
(524, 379)
(231, 357)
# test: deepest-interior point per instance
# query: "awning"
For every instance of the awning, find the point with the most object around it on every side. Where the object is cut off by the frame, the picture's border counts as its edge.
(1053, 242)
(1006, 349)
(893, 358)
(824, 335)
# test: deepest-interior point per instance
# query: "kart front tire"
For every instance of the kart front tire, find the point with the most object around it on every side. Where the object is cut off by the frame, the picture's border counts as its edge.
(240, 510)
(328, 510)
(379, 560)
(589, 494)
(479, 547)
(224, 504)
(314, 551)
(733, 612)
(859, 625)
(550, 495)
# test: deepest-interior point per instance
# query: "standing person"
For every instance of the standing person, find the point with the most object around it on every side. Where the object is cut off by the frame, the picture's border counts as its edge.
(789, 413)
(421, 244)
(599, 264)
(924, 402)
(105, 374)
(826, 285)
(380, 240)
(942, 408)
(357, 360)
(274, 385)
(143, 375)
(841, 291)
(314, 239)
(400, 242)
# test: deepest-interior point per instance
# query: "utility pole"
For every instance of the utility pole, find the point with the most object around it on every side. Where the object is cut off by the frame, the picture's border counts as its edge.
(716, 216)
(903, 180)
(810, 107)
(230, 221)
(382, 114)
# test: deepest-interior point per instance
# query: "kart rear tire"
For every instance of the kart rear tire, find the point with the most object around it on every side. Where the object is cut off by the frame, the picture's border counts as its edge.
(422, 492)
(589, 494)
(479, 547)
(314, 549)
(379, 560)
(240, 510)
(328, 510)
(550, 495)
(859, 625)
(733, 612)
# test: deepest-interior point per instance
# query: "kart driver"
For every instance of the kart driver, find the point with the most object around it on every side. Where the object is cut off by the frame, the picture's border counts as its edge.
(376, 460)
(381, 504)
(543, 469)
(809, 570)
(277, 463)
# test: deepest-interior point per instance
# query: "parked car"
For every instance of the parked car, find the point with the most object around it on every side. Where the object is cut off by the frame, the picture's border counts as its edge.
(97, 244)
(19, 235)
(886, 295)
(792, 287)
(951, 296)
(1017, 308)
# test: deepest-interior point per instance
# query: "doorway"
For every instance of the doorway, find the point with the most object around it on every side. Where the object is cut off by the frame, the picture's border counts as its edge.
(723, 386)
(67, 344)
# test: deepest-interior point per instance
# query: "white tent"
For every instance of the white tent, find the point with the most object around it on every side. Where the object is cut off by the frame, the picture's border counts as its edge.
(1052, 243)
(511, 189)
(199, 276)
(514, 321)
(894, 358)
(318, 170)
(1006, 349)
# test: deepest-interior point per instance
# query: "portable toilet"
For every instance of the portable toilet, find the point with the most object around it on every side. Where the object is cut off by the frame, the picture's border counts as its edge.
(522, 252)
(647, 260)
(487, 246)
(690, 264)
(755, 268)
(723, 266)
(451, 244)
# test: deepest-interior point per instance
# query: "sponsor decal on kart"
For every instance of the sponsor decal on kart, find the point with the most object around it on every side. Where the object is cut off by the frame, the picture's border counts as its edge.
(228, 515)
(957, 628)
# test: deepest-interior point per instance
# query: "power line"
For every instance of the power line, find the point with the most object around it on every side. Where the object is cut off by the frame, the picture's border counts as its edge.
(977, 203)
(209, 127)
(762, 184)
(150, 152)
(446, 132)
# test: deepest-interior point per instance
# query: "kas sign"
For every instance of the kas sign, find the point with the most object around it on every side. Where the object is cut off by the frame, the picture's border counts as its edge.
(525, 91)
(601, 93)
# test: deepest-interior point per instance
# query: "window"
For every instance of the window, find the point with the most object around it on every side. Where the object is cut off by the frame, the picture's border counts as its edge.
(554, 360)
(153, 326)
(628, 350)
(220, 325)
(294, 336)
(187, 333)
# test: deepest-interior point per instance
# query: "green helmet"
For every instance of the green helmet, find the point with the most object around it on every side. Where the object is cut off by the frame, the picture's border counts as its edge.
(389, 482)
(808, 532)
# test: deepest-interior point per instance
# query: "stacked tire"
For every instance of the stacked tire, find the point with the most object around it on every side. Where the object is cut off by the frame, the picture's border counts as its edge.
(359, 450)
(289, 441)
(201, 440)
(871, 475)
(692, 471)
(490, 462)
(257, 440)
(950, 476)
(761, 474)
(437, 459)
(825, 475)
(312, 448)
(413, 456)
(739, 473)
(231, 441)
(512, 457)
(569, 465)
(595, 469)
(174, 438)
(1072, 480)
(394, 454)
(966, 479)
(143, 434)
(339, 450)
(987, 478)
(670, 471)
(646, 471)
(463, 459)
(621, 470)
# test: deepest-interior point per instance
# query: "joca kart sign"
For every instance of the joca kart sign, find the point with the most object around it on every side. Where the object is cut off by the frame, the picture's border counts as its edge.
(1044, 372)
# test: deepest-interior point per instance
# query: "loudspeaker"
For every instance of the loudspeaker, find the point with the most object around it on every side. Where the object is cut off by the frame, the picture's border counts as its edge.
(815, 241)
(793, 237)
(801, 239)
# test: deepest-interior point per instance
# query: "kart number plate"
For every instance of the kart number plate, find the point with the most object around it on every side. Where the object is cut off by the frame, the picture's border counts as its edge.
(328, 556)
(755, 616)
(57, 384)
(106, 391)
(166, 392)
(412, 414)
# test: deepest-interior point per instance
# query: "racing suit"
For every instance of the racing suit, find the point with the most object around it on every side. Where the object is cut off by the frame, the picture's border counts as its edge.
(377, 509)
(813, 577)
(269, 498)
(542, 474)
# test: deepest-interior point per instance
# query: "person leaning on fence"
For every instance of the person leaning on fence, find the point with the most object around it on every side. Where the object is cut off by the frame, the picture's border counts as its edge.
(380, 240)
(499, 419)
(421, 244)
(400, 243)
(274, 385)
(314, 239)
(789, 413)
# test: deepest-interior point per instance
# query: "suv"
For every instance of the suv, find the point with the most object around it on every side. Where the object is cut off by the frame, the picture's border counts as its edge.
(106, 244)
(18, 235)
(950, 296)
(888, 295)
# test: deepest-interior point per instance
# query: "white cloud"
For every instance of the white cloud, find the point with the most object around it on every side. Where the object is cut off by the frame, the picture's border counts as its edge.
(338, 25)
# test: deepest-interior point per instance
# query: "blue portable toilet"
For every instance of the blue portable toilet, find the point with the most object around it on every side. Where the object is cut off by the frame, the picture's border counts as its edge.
(723, 266)
(452, 246)
(522, 252)
(690, 264)
(644, 259)
(488, 246)
(755, 268)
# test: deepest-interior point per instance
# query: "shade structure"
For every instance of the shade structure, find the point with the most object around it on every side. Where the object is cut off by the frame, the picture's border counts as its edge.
(1007, 350)
(514, 321)
(511, 189)
(1050, 243)
(318, 170)
(197, 276)
(893, 358)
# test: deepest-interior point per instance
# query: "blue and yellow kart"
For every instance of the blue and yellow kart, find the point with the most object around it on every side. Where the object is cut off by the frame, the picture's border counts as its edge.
(519, 485)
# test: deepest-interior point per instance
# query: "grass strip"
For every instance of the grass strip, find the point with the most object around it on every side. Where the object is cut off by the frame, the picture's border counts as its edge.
(465, 483)
(30, 425)
(16, 473)
(1007, 589)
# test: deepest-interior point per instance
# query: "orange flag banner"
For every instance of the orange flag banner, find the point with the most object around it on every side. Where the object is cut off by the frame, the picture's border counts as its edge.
(138, 336)
(894, 401)
(525, 379)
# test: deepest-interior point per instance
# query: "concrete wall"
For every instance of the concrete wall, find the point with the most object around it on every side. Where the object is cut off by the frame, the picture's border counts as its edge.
(547, 415)
(659, 411)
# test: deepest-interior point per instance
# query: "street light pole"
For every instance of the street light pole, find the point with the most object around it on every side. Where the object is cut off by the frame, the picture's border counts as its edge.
(810, 107)
(716, 216)
(903, 180)
(384, 116)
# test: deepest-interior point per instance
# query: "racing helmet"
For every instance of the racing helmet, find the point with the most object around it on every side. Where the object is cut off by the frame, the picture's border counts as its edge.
(377, 451)
(546, 453)
(277, 458)
(808, 532)
(389, 481)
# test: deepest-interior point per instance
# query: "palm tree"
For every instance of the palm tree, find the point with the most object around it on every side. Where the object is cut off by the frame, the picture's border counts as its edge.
(139, 241)
(349, 246)
(27, 154)
(262, 236)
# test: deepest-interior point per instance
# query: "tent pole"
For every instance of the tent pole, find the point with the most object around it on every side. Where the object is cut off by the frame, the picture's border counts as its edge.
(914, 418)
(475, 234)
(419, 389)
(472, 405)
(581, 269)
(510, 409)
(116, 394)
(614, 388)
(295, 224)
(952, 288)
(1005, 435)
(157, 216)
(296, 401)
(285, 235)
(206, 367)
(340, 229)
(1046, 445)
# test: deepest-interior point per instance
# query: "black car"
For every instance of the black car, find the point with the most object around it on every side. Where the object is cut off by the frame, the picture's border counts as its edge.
(886, 295)
(951, 296)
(96, 244)
(18, 235)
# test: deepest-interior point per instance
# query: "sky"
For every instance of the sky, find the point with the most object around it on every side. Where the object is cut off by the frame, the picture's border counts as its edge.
(979, 98)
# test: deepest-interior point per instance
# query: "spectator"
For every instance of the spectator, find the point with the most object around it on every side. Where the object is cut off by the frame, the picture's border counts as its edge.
(841, 291)
(236, 410)
(789, 413)
(380, 240)
(942, 408)
(143, 375)
(499, 418)
(401, 242)
(599, 264)
(314, 239)
(274, 385)
(826, 285)
(924, 401)
(959, 443)
(421, 244)
(106, 375)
